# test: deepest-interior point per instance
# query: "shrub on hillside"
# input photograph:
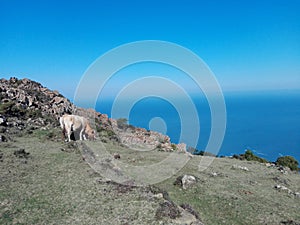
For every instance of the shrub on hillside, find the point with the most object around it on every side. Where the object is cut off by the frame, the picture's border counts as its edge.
(174, 146)
(195, 151)
(249, 156)
(203, 153)
(11, 109)
(288, 161)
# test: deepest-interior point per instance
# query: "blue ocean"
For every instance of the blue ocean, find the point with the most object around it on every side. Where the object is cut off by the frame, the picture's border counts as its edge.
(268, 123)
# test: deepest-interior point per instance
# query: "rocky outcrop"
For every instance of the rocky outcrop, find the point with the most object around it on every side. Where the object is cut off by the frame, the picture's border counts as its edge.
(287, 190)
(141, 138)
(30, 96)
(25, 103)
(238, 167)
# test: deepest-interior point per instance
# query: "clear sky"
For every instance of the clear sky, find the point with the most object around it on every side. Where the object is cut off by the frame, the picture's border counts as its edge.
(249, 45)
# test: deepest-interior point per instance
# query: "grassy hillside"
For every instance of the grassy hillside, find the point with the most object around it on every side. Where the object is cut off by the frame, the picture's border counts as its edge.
(46, 181)
(229, 191)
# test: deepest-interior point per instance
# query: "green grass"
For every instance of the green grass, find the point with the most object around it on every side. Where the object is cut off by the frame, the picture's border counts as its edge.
(234, 196)
(237, 196)
(56, 186)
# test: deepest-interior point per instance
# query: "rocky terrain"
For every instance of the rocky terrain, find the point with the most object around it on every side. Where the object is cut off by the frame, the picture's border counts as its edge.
(27, 105)
(45, 180)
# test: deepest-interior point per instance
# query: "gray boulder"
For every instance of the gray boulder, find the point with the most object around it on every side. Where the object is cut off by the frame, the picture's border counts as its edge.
(188, 181)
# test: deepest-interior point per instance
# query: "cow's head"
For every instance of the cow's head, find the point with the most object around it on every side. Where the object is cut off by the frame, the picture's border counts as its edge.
(91, 134)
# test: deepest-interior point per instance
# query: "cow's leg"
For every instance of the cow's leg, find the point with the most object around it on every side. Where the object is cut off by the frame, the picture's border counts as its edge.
(68, 130)
(81, 135)
(69, 135)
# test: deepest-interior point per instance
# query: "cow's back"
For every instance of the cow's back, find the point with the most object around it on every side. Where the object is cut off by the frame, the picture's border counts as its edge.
(77, 122)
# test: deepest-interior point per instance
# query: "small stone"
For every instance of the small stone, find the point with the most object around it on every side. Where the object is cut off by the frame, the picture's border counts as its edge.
(159, 195)
(297, 194)
(240, 167)
(214, 174)
(188, 181)
(21, 153)
(2, 121)
(283, 188)
(117, 156)
(3, 138)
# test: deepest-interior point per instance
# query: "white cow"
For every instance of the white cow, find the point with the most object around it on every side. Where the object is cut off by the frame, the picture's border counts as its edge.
(74, 124)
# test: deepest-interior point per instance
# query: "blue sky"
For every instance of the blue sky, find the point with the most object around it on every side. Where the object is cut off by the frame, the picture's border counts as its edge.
(249, 45)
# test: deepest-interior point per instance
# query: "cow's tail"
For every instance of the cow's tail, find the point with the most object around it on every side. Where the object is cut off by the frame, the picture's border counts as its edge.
(62, 125)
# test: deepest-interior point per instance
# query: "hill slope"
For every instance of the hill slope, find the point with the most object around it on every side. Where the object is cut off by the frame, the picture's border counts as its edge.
(47, 181)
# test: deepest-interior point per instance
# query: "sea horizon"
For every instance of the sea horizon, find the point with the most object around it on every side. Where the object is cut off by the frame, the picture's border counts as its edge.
(266, 122)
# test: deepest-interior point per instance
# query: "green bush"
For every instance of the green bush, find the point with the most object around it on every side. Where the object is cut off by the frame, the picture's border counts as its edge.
(6, 107)
(174, 146)
(249, 156)
(288, 161)
(11, 109)
(203, 153)
(31, 113)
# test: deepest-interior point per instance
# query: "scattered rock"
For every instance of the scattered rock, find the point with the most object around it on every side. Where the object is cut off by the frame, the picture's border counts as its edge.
(270, 165)
(117, 156)
(103, 180)
(282, 188)
(178, 181)
(21, 153)
(158, 195)
(281, 180)
(214, 174)
(284, 170)
(189, 208)
(167, 209)
(157, 192)
(2, 121)
(188, 216)
(122, 189)
(3, 138)
(290, 222)
(297, 194)
(240, 167)
(188, 181)
(287, 190)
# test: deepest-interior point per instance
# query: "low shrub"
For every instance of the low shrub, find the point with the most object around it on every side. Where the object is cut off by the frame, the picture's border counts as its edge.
(288, 161)
(11, 109)
(249, 156)
(174, 146)
(203, 153)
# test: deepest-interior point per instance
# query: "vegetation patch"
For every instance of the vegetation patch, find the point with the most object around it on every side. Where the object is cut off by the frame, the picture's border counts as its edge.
(288, 161)
(167, 209)
(249, 156)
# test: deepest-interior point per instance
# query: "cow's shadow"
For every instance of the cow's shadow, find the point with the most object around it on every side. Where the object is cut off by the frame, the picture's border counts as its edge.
(75, 136)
